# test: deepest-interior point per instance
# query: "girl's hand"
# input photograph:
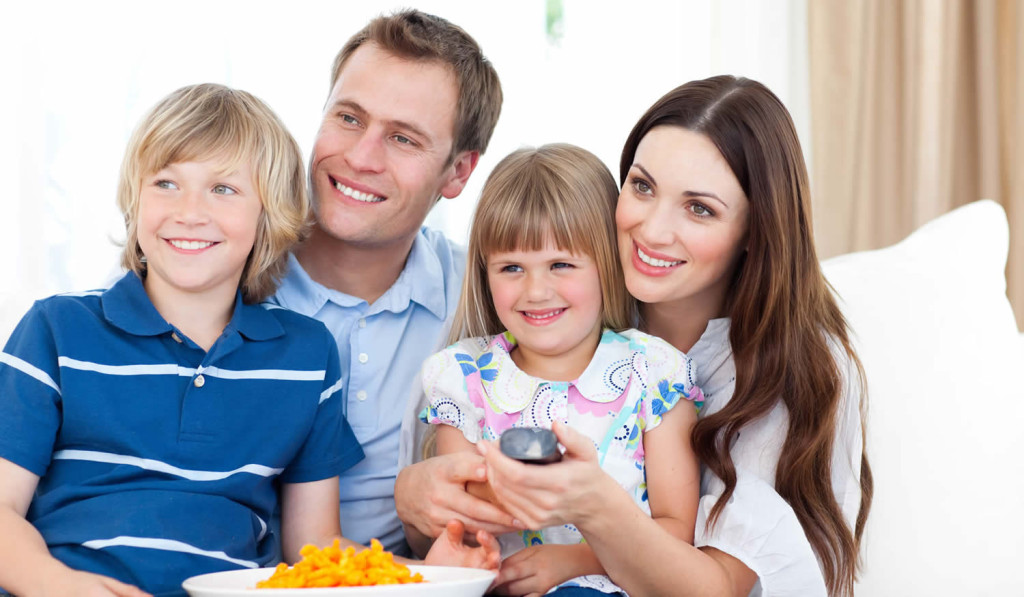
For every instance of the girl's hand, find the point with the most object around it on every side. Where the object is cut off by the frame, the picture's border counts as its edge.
(552, 494)
(536, 570)
(449, 549)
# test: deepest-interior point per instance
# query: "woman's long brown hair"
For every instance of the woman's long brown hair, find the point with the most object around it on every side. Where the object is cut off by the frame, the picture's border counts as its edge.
(784, 316)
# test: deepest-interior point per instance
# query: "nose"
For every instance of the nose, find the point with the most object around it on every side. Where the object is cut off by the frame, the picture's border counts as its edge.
(658, 227)
(192, 208)
(538, 287)
(366, 154)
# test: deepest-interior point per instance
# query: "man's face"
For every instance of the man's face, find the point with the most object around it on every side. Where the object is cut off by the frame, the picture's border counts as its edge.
(380, 160)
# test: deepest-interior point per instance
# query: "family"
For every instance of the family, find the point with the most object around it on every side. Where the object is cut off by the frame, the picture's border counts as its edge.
(272, 370)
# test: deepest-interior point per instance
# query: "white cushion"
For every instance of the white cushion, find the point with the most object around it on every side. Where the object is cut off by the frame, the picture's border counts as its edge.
(940, 345)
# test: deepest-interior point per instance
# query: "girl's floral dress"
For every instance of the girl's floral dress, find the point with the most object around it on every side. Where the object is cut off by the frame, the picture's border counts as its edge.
(631, 382)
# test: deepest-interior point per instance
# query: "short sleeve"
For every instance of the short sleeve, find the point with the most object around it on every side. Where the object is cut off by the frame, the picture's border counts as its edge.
(760, 529)
(757, 526)
(30, 397)
(446, 376)
(331, 446)
(671, 379)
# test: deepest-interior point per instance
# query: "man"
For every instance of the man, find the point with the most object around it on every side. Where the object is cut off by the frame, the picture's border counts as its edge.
(412, 105)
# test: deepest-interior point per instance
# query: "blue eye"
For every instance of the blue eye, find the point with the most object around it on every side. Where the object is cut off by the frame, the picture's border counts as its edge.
(561, 265)
(403, 139)
(349, 119)
(223, 189)
(512, 268)
(165, 184)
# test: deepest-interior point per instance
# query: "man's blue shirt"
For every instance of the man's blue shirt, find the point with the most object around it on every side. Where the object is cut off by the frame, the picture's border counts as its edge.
(381, 348)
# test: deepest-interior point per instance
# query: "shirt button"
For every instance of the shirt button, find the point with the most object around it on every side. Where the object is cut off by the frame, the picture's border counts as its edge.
(362, 322)
(176, 337)
(199, 381)
(363, 357)
(361, 395)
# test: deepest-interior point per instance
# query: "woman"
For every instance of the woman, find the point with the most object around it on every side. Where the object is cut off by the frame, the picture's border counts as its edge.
(715, 238)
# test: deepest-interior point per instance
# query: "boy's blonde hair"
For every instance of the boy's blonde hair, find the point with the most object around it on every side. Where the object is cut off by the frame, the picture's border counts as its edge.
(205, 121)
(559, 192)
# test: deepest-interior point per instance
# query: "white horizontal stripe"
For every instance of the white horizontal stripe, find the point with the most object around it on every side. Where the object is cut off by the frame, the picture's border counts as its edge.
(331, 390)
(165, 545)
(28, 369)
(279, 374)
(163, 467)
(85, 293)
(173, 369)
(170, 369)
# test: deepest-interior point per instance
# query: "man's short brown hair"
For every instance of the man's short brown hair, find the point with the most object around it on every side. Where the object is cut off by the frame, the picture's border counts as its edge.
(417, 35)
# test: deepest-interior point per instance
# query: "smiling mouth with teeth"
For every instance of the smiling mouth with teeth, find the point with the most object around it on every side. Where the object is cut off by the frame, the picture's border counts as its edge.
(542, 316)
(190, 245)
(357, 195)
(652, 261)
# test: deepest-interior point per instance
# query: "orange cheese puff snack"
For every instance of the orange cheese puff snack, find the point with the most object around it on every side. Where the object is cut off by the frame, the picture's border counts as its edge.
(336, 567)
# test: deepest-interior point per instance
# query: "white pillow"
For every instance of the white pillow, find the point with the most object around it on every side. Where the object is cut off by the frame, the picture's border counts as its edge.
(940, 345)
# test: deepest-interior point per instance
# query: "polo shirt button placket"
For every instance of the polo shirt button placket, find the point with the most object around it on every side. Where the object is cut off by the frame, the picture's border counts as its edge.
(199, 381)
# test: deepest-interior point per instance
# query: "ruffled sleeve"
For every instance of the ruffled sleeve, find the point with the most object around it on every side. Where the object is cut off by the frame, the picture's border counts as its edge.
(671, 379)
(450, 382)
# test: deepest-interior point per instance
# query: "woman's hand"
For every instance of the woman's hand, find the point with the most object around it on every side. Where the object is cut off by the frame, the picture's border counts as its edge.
(552, 494)
(536, 570)
(449, 549)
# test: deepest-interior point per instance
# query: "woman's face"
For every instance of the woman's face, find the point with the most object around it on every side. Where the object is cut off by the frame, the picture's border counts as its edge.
(682, 221)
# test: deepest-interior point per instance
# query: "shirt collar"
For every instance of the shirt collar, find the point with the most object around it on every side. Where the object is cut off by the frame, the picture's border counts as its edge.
(421, 281)
(127, 306)
(510, 389)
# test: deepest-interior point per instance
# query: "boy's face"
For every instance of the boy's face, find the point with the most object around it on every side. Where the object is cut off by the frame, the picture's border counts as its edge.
(380, 159)
(196, 226)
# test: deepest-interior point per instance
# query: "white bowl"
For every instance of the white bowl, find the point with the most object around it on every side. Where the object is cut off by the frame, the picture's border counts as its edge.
(442, 581)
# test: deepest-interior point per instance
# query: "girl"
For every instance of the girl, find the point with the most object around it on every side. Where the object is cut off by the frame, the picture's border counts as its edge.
(145, 430)
(542, 341)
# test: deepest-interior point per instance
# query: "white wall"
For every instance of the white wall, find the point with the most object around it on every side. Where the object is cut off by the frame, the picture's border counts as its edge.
(77, 76)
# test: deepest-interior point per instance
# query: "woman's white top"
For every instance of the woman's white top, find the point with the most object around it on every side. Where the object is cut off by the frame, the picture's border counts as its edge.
(757, 526)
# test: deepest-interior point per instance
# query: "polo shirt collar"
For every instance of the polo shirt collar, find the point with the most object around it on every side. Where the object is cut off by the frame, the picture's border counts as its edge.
(510, 389)
(127, 306)
(421, 282)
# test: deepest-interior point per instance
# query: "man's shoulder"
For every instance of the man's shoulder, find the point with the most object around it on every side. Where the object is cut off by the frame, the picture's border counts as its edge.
(451, 254)
(293, 322)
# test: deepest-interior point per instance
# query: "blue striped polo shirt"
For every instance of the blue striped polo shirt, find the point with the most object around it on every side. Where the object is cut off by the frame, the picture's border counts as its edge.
(159, 460)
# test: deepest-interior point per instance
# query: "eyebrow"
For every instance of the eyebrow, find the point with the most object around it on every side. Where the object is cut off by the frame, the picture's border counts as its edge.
(400, 124)
(688, 193)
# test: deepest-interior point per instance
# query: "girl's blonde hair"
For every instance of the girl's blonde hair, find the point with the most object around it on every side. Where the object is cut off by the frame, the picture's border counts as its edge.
(201, 122)
(559, 192)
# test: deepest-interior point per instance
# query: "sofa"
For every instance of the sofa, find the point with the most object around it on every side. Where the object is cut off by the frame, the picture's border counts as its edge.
(945, 370)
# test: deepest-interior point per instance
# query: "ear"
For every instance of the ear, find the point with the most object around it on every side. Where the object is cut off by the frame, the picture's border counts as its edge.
(458, 173)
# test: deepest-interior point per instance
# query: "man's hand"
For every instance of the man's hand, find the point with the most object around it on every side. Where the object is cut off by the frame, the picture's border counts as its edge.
(449, 549)
(428, 494)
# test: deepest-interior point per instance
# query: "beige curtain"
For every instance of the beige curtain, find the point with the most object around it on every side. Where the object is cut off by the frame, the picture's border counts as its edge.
(917, 107)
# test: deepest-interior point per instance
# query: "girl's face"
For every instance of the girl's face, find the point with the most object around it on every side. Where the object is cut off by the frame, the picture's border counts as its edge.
(682, 221)
(550, 300)
(196, 227)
